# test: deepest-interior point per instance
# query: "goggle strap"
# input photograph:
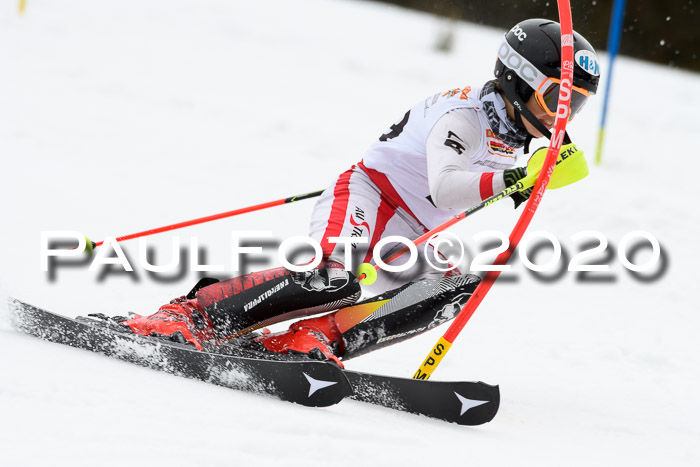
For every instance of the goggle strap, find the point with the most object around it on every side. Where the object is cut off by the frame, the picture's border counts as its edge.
(520, 65)
(544, 86)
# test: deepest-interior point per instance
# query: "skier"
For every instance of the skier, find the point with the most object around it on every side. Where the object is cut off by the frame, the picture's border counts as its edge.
(446, 154)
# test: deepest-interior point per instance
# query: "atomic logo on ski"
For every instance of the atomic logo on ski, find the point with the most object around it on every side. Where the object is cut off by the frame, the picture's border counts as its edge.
(467, 403)
(316, 384)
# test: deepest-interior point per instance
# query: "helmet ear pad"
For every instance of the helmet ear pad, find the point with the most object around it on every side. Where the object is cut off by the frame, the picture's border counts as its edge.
(514, 89)
(522, 89)
(518, 92)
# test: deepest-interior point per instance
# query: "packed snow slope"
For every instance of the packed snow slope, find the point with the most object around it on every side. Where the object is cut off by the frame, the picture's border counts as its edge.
(119, 116)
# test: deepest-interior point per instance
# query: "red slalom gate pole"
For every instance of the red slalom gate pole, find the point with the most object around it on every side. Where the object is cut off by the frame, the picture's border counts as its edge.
(202, 220)
(437, 353)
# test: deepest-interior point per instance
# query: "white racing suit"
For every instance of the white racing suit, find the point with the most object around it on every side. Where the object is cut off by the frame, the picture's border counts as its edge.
(440, 159)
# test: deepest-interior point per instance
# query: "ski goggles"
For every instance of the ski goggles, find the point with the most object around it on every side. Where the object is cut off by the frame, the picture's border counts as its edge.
(548, 99)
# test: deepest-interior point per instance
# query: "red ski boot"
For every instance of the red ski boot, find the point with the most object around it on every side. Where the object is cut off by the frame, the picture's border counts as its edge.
(181, 320)
(315, 337)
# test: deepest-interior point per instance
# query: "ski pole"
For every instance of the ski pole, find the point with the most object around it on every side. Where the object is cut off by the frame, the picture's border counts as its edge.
(202, 220)
(367, 273)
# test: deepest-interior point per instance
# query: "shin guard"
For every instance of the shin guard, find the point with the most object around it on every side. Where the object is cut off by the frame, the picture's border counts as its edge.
(402, 313)
(242, 304)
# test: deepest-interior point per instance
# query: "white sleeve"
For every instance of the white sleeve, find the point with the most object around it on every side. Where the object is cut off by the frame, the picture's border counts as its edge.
(450, 145)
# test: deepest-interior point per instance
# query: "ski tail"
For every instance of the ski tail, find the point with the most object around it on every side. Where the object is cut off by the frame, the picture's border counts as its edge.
(464, 403)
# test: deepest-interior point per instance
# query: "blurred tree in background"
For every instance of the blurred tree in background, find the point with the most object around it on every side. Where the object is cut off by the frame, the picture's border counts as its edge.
(666, 32)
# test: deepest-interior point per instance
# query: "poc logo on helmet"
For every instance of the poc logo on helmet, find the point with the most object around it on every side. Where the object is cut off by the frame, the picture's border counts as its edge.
(517, 63)
(519, 33)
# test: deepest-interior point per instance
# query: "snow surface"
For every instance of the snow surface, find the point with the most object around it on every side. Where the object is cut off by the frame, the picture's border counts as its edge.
(116, 117)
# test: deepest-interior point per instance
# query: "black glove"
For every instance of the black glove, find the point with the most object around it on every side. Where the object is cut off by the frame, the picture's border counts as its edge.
(511, 177)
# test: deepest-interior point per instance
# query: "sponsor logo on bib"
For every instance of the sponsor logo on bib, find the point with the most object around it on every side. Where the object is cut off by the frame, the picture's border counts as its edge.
(497, 147)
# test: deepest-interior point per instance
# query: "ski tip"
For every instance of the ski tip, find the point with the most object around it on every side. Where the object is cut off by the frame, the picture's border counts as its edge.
(14, 305)
(17, 311)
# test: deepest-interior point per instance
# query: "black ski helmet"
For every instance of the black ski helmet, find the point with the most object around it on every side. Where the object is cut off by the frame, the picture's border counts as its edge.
(530, 52)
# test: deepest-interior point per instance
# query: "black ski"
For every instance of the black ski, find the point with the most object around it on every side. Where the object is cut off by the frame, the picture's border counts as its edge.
(307, 382)
(464, 403)
(287, 377)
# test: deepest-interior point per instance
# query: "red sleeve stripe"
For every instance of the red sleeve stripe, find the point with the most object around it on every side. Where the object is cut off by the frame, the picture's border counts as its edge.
(486, 185)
